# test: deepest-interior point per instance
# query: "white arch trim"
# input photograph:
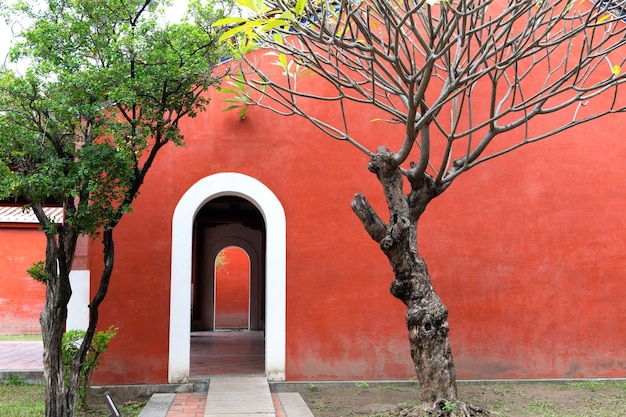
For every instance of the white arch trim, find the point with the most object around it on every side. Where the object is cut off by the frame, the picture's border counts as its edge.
(208, 188)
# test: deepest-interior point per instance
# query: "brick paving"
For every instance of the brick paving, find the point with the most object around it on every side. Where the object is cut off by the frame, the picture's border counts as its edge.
(188, 405)
(192, 405)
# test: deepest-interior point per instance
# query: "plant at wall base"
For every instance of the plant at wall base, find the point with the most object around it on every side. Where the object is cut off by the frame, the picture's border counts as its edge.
(72, 340)
(460, 83)
(105, 87)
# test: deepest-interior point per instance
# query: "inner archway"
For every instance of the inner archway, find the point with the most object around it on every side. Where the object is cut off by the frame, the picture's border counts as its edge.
(232, 289)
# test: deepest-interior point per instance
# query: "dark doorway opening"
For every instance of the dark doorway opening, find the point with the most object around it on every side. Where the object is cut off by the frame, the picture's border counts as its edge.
(223, 345)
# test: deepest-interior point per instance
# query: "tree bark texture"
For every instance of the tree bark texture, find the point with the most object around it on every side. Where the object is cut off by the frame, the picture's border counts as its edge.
(52, 320)
(426, 316)
(61, 393)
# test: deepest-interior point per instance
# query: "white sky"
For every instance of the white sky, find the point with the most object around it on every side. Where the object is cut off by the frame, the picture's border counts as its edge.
(173, 14)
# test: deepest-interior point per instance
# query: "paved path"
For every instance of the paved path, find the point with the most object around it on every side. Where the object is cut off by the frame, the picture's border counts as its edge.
(286, 404)
(21, 356)
(229, 397)
(238, 396)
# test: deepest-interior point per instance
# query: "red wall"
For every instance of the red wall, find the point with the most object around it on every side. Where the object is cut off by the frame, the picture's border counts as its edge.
(232, 290)
(527, 251)
(21, 297)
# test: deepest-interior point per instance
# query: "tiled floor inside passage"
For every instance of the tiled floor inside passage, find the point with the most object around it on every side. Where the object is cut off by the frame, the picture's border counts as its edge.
(227, 353)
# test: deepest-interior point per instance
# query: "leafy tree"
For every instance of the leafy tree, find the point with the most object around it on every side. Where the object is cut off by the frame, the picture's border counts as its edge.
(462, 81)
(106, 85)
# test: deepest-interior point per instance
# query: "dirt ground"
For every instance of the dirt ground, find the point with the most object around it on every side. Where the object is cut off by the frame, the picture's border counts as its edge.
(503, 399)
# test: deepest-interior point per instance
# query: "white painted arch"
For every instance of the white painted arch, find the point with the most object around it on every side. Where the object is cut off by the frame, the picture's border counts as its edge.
(206, 189)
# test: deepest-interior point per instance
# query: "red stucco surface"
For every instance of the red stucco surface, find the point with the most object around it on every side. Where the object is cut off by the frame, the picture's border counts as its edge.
(21, 297)
(527, 251)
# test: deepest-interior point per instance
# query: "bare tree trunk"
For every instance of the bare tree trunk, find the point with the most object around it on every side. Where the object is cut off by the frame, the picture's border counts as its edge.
(427, 316)
(427, 324)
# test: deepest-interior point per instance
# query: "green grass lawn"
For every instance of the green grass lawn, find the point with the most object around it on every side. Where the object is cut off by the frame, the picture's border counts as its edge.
(21, 400)
(18, 399)
(20, 337)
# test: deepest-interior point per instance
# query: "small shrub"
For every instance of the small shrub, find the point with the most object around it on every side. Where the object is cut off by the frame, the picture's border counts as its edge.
(71, 343)
(15, 380)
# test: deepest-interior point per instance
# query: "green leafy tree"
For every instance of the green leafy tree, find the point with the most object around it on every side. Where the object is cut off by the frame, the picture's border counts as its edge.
(105, 86)
(461, 81)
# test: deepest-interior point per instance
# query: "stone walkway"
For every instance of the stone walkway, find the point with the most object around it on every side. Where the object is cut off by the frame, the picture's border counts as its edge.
(283, 404)
(21, 356)
(228, 396)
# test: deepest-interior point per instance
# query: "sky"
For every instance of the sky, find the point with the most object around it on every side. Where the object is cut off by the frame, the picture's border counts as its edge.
(174, 13)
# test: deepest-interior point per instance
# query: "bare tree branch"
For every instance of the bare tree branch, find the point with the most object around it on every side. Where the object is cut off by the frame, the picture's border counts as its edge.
(427, 66)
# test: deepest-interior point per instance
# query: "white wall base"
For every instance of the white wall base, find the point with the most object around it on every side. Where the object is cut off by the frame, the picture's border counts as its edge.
(78, 307)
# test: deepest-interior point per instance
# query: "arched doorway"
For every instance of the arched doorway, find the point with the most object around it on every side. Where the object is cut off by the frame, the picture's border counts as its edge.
(228, 291)
(273, 256)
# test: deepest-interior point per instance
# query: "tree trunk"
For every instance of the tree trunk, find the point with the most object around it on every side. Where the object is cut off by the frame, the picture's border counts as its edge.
(427, 324)
(52, 320)
(427, 316)
(61, 389)
(60, 396)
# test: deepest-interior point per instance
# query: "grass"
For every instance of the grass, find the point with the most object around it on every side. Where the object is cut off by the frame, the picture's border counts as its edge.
(585, 398)
(571, 399)
(18, 399)
(20, 337)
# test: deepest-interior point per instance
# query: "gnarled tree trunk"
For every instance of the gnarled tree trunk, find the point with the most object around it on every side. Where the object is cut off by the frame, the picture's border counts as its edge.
(427, 316)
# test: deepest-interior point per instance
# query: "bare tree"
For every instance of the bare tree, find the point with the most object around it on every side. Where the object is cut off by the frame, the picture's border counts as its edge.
(466, 80)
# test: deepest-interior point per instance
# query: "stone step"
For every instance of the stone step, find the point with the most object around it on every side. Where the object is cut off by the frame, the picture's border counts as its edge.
(293, 405)
(239, 397)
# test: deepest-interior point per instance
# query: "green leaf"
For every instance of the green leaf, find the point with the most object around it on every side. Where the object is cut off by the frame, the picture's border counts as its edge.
(282, 59)
(300, 6)
(239, 29)
(233, 107)
(229, 21)
(275, 23)
(616, 69)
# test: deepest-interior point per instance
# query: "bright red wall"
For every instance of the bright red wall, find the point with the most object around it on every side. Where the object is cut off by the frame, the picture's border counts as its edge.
(21, 297)
(527, 251)
(232, 290)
